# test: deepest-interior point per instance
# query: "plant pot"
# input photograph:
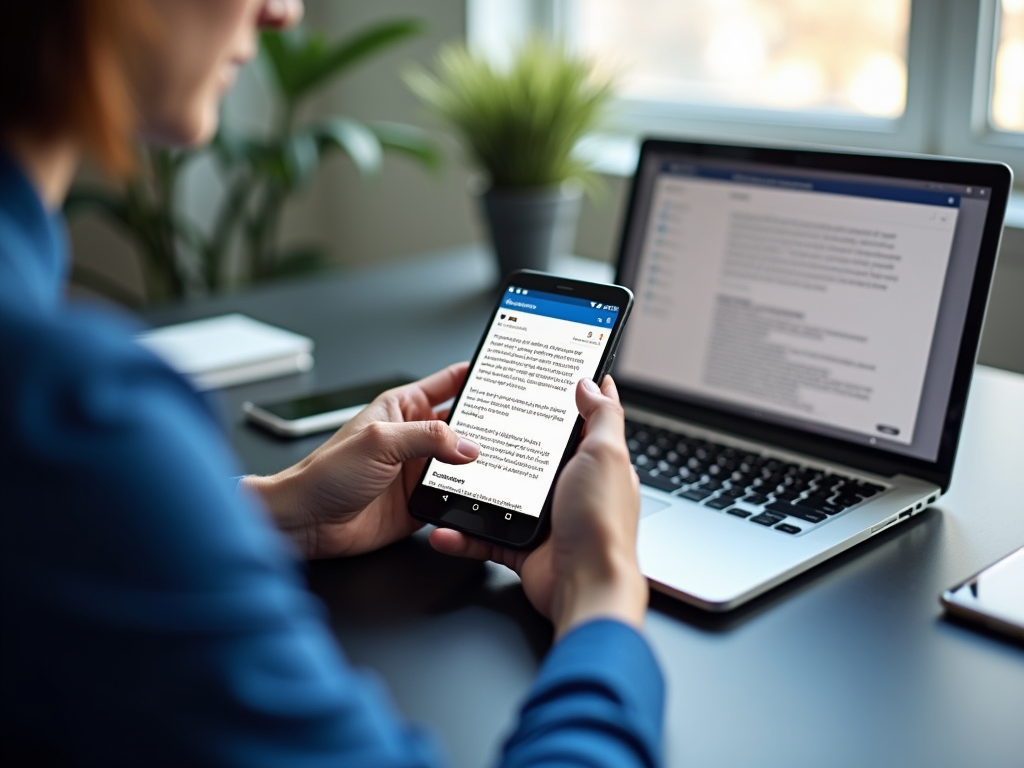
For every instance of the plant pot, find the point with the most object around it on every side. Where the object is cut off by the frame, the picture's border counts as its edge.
(530, 225)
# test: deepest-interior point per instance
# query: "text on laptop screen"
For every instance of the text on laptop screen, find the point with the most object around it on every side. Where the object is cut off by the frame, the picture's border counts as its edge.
(810, 300)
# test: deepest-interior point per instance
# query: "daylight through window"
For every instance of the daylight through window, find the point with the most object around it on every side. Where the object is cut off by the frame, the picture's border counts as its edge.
(844, 56)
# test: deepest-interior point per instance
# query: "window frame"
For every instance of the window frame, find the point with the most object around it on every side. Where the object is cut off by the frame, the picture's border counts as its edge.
(950, 58)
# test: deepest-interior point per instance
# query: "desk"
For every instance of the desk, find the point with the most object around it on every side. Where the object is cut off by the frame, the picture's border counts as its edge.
(850, 664)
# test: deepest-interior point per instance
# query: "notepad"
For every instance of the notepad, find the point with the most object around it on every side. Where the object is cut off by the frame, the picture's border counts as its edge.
(230, 349)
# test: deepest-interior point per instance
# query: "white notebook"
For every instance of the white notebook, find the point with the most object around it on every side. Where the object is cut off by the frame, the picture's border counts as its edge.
(228, 350)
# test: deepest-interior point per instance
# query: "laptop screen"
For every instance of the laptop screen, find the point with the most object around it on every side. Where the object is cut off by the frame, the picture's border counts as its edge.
(831, 302)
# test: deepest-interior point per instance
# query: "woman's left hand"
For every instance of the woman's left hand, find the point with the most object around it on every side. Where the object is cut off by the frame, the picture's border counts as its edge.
(351, 494)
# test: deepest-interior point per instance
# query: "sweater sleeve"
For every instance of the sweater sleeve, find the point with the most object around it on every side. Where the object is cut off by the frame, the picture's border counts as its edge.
(598, 701)
(153, 616)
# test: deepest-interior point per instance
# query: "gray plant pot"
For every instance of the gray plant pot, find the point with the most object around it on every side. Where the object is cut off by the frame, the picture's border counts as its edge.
(530, 225)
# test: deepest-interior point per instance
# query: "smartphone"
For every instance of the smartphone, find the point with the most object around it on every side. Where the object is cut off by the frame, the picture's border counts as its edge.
(318, 412)
(994, 597)
(519, 405)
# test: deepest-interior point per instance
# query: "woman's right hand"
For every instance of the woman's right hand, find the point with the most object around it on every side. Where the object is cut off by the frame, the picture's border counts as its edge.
(587, 568)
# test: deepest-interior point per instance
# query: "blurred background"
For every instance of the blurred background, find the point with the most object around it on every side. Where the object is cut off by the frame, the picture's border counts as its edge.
(937, 76)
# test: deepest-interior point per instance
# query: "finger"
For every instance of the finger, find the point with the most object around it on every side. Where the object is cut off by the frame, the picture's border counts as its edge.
(601, 410)
(457, 544)
(443, 385)
(280, 14)
(397, 443)
(608, 389)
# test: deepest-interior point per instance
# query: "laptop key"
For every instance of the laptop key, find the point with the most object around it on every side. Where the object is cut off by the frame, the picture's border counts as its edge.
(822, 506)
(808, 514)
(795, 510)
(696, 494)
(755, 499)
(738, 512)
(868, 489)
(720, 503)
(848, 501)
(767, 519)
(661, 482)
(787, 528)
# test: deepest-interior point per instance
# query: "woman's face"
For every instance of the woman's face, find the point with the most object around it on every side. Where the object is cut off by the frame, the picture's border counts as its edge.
(198, 48)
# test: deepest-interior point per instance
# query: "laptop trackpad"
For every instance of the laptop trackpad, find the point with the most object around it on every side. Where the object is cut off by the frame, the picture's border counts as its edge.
(648, 505)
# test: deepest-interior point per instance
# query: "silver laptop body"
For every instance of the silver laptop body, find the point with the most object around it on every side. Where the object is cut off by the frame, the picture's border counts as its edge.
(798, 359)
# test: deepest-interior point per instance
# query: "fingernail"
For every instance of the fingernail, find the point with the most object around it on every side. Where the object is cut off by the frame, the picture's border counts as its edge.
(468, 448)
(591, 386)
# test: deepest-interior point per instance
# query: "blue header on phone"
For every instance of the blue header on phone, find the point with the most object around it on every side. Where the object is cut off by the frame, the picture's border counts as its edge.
(561, 307)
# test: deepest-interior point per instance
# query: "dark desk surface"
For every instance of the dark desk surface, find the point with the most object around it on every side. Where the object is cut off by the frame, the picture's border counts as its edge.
(850, 664)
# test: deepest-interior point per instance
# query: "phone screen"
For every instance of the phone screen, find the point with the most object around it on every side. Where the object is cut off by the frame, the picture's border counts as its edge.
(995, 596)
(519, 403)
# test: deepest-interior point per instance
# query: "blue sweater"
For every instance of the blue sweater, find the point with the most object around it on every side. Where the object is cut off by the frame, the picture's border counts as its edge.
(151, 616)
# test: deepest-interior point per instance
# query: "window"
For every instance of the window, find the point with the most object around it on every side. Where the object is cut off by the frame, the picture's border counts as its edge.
(843, 56)
(1007, 107)
(939, 76)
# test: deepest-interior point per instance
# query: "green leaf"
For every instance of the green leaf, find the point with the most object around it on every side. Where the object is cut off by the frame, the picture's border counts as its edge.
(278, 50)
(520, 123)
(302, 61)
(354, 139)
(301, 155)
(409, 140)
(288, 162)
(232, 149)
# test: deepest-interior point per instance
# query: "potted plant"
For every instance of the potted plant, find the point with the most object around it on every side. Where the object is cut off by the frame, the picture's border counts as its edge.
(520, 124)
(180, 257)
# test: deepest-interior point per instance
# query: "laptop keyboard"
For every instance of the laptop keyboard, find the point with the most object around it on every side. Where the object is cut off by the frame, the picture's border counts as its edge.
(787, 497)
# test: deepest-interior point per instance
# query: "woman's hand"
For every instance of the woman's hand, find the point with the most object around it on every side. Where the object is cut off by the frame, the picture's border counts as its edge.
(351, 494)
(587, 568)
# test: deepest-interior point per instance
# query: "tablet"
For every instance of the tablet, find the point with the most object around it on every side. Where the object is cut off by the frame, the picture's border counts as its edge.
(994, 597)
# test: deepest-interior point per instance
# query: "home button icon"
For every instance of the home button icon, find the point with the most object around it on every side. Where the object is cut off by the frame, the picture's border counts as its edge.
(476, 507)
(508, 515)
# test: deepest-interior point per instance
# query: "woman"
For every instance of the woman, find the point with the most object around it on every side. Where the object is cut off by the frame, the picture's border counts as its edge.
(152, 614)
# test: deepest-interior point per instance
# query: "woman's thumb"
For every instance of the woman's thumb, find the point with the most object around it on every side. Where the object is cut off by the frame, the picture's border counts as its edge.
(423, 439)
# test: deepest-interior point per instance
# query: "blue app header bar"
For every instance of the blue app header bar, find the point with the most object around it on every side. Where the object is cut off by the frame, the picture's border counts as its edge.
(529, 292)
(573, 310)
(832, 186)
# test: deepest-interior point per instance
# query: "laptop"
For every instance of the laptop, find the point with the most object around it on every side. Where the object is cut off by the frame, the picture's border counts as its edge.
(798, 359)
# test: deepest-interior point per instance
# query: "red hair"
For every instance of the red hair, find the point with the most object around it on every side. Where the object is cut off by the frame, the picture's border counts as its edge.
(64, 72)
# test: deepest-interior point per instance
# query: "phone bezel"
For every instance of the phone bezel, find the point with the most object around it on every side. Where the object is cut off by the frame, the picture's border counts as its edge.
(488, 521)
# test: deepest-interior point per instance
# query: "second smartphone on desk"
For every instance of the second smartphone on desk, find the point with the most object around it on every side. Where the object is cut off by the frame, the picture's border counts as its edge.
(519, 405)
(319, 412)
